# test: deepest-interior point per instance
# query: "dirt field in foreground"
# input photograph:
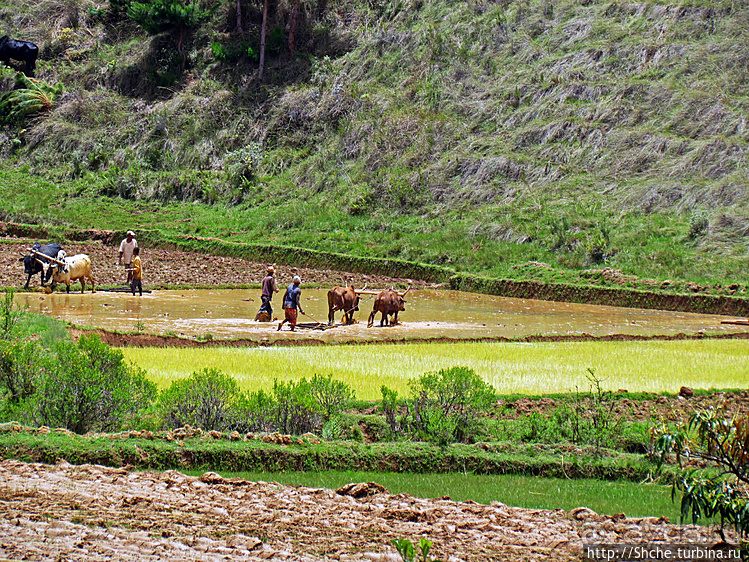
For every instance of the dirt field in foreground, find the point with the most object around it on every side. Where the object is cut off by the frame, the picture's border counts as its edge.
(94, 513)
(172, 267)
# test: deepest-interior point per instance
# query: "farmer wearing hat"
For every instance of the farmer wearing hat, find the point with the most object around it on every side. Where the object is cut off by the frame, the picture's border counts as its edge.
(126, 253)
(265, 314)
(292, 301)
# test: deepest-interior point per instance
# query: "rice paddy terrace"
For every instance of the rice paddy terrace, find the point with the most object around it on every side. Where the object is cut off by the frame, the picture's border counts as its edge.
(430, 314)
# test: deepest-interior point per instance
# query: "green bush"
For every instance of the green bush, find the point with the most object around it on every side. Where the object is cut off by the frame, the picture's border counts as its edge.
(592, 418)
(304, 405)
(330, 395)
(218, 51)
(390, 407)
(344, 427)
(208, 399)
(28, 97)
(242, 165)
(445, 405)
(22, 364)
(296, 411)
(89, 387)
(256, 413)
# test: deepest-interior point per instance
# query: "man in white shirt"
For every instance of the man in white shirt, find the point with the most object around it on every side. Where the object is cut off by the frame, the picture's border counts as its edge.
(126, 253)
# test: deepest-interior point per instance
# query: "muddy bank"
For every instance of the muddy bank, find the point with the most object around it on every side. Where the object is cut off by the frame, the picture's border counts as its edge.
(95, 513)
(153, 340)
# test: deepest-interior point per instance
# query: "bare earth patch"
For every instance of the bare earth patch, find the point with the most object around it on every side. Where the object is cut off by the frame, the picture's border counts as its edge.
(95, 513)
(172, 267)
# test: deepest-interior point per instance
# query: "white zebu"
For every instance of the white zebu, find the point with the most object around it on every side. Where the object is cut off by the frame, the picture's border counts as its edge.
(76, 268)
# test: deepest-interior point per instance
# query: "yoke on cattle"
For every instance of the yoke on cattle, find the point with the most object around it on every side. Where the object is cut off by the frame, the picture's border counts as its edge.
(39, 260)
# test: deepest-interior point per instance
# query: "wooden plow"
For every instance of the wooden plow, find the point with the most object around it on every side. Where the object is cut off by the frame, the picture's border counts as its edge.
(313, 326)
(739, 322)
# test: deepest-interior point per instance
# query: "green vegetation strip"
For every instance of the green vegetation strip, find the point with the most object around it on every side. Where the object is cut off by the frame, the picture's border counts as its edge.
(533, 492)
(224, 455)
(531, 368)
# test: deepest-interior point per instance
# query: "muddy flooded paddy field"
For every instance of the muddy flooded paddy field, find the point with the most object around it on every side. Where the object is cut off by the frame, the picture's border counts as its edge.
(429, 314)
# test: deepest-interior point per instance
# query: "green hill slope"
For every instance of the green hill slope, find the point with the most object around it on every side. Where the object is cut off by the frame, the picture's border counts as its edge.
(478, 134)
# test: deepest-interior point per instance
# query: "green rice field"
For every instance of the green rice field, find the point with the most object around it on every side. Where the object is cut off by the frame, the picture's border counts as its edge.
(527, 368)
(535, 492)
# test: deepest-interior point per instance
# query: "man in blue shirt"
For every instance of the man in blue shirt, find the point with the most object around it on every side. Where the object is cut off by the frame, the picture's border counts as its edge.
(292, 302)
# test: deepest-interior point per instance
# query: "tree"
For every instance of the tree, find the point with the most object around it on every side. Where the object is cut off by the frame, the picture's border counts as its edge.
(720, 443)
(263, 33)
(239, 28)
(158, 16)
(294, 21)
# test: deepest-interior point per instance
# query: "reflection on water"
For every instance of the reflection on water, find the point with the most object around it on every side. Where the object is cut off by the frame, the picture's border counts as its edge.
(429, 314)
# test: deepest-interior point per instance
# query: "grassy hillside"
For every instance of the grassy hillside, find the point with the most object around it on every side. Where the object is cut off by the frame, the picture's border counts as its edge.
(476, 134)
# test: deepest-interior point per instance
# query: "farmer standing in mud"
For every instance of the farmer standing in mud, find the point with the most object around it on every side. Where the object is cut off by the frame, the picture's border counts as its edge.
(265, 314)
(292, 300)
(126, 253)
(137, 273)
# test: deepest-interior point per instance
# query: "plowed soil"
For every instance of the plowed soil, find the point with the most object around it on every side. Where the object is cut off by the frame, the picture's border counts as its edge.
(171, 267)
(94, 513)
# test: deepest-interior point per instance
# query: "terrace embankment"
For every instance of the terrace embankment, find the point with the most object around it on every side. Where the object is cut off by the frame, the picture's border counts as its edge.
(97, 513)
(120, 339)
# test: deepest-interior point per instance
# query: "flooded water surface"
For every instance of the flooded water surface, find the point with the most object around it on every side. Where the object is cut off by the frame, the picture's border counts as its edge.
(225, 314)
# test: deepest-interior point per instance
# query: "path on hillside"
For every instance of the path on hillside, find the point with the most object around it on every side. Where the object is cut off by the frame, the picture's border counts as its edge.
(95, 513)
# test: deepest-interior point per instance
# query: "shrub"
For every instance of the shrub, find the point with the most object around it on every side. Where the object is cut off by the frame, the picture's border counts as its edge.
(390, 408)
(445, 404)
(208, 399)
(593, 419)
(716, 441)
(330, 395)
(218, 51)
(296, 411)
(22, 363)
(256, 413)
(242, 165)
(304, 405)
(29, 97)
(8, 315)
(344, 427)
(89, 387)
